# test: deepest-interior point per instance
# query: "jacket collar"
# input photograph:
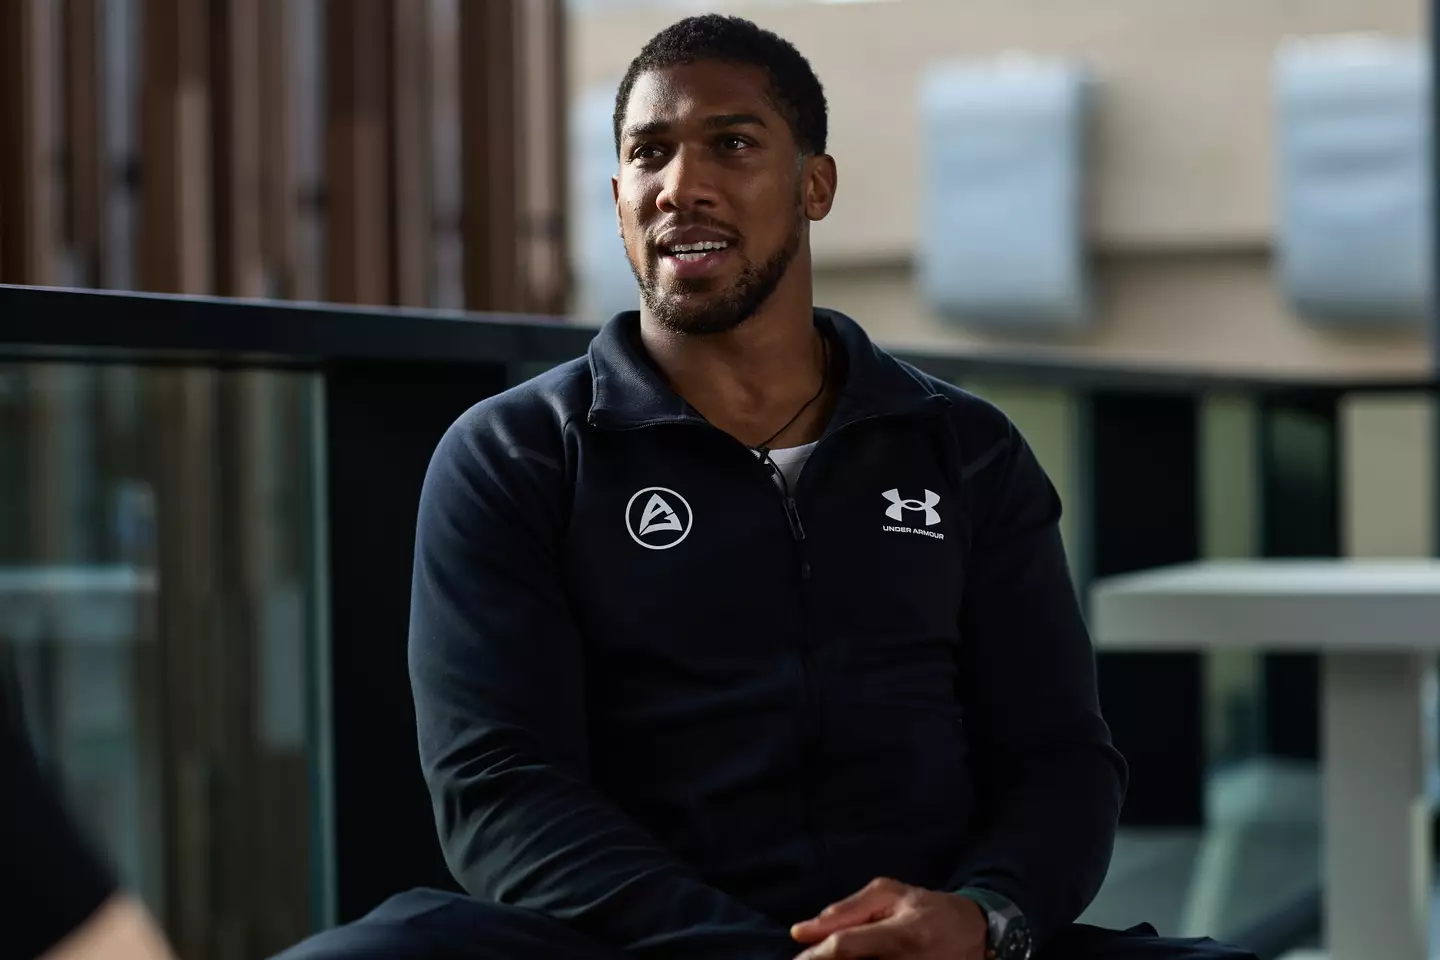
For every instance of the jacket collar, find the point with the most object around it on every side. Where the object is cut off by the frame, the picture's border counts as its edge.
(630, 392)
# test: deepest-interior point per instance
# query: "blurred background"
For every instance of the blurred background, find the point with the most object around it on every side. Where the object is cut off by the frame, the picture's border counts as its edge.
(1187, 247)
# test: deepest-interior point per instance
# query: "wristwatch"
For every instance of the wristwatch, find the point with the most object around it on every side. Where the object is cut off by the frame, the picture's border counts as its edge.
(1008, 935)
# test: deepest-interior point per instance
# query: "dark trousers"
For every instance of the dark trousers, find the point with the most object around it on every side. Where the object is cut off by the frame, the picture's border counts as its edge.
(431, 925)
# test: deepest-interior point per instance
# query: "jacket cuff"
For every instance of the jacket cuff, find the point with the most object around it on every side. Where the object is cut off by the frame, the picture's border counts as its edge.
(992, 901)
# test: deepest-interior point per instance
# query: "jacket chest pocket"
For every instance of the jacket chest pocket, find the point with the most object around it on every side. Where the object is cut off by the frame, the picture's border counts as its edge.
(893, 570)
(688, 571)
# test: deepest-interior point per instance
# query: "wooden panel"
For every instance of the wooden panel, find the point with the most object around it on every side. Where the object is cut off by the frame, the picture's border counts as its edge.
(28, 191)
(235, 67)
(179, 413)
(262, 828)
(85, 174)
(175, 229)
(306, 72)
(121, 82)
(412, 212)
(543, 148)
(488, 33)
(357, 151)
(446, 182)
(278, 200)
(513, 110)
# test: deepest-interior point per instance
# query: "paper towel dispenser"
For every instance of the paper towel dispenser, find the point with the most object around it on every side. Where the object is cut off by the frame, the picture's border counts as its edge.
(1002, 220)
(1353, 179)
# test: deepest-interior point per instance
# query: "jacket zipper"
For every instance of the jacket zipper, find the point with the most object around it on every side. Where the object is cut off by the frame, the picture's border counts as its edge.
(809, 695)
(809, 687)
(792, 513)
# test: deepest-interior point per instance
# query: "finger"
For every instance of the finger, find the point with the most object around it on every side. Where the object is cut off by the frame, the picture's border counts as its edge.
(874, 902)
(872, 941)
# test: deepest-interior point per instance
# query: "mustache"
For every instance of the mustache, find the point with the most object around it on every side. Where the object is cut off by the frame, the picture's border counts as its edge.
(702, 221)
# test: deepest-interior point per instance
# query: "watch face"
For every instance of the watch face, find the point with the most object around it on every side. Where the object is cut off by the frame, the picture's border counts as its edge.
(1016, 945)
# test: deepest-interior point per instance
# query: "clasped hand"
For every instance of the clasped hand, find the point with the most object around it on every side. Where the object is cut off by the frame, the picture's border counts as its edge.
(889, 919)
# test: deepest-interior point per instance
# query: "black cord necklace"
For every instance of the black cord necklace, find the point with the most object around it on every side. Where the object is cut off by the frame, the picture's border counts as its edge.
(764, 448)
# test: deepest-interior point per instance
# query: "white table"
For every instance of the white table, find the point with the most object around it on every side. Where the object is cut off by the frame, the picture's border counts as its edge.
(1377, 627)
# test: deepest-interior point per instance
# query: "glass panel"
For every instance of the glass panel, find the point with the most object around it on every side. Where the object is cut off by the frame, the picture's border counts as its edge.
(1259, 856)
(1229, 494)
(158, 610)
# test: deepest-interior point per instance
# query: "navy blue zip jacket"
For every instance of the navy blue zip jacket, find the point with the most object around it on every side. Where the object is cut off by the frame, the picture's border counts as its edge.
(669, 704)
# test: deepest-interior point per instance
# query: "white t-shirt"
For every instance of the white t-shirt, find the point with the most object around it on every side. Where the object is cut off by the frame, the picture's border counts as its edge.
(791, 461)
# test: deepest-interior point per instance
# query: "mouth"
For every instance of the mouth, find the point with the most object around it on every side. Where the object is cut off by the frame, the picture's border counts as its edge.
(695, 259)
(694, 252)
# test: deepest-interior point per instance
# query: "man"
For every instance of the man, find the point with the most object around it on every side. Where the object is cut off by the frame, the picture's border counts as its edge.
(738, 638)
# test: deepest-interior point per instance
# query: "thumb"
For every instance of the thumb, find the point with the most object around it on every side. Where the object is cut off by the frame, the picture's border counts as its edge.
(875, 902)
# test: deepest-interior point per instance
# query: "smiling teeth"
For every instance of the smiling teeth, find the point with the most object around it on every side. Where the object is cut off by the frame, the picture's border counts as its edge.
(681, 249)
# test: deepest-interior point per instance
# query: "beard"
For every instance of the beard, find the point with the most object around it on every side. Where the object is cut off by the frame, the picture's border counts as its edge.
(727, 310)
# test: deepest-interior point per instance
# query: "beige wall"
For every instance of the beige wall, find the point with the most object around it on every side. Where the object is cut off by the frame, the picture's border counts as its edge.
(1205, 311)
(1183, 193)
(1184, 119)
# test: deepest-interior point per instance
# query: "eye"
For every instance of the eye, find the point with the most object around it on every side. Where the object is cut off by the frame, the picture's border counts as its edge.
(733, 141)
(646, 151)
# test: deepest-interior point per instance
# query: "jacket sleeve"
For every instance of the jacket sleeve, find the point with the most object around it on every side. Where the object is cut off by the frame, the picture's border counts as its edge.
(1051, 784)
(497, 671)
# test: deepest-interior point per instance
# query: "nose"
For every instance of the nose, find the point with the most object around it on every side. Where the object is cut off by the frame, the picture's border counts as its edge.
(689, 183)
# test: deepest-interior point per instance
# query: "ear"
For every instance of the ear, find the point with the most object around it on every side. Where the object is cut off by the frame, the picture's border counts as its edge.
(615, 193)
(819, 185)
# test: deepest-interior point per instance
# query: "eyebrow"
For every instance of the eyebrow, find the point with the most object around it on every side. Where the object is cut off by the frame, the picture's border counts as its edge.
(717, 122)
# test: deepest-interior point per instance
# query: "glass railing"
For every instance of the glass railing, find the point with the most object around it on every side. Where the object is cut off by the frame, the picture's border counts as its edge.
(158, 600)
(205, 541)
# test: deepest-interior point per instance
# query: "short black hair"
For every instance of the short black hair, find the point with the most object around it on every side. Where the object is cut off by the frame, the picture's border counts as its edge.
(794, 88)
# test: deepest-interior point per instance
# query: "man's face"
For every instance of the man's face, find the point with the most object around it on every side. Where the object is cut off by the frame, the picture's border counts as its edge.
(712, 195)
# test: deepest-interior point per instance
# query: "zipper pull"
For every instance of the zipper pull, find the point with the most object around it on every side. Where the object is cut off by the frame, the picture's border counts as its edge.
(792, 513)
(797, 530)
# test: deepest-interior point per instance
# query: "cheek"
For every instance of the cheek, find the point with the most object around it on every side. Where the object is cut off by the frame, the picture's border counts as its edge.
(771, 202)
(627, 213)
(771, 214)
(631, 209)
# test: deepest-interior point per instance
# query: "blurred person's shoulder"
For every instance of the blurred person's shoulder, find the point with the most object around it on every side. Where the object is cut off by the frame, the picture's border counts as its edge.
(55, 879)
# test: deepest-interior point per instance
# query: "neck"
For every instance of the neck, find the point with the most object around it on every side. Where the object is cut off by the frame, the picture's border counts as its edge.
(750, 381)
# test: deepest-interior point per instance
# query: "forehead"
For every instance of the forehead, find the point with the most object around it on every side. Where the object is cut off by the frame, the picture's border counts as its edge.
(675, 95)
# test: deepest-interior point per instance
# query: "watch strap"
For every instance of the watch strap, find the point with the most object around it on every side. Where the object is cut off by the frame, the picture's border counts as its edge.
(1001, 915)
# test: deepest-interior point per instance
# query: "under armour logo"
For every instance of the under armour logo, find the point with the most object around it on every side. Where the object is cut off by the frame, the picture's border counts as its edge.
(898, 506)
(660, 521)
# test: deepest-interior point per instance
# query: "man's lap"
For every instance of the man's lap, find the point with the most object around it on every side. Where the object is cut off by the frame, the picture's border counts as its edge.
(434, 925)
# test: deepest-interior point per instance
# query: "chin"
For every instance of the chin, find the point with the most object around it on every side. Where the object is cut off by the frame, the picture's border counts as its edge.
(698, 316)
(697, 289)
(706, 306)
